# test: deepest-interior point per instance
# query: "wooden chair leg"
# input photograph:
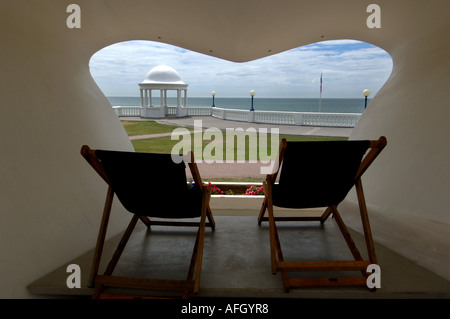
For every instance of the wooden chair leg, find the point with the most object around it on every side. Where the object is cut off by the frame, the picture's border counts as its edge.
(198, 181)
(262, 211)
(365, 222)
(211, 220)
(276, 254)
(97, 292)
(101, 237)
(272, 227)
(325, 215)
(272, 234)
(121, 246)
(280, 258)
(201, 239)
(348, 238)
(192, 265)
(145, 220)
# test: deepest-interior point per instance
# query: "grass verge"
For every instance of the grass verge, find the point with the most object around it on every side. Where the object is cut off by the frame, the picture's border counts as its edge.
(211, 148)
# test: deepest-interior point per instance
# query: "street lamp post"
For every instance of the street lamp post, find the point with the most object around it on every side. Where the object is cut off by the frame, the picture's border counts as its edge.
(252, 93)
(366, 93)
(213, 93)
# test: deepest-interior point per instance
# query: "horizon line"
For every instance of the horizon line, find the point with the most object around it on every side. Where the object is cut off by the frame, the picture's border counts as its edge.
(236, 97)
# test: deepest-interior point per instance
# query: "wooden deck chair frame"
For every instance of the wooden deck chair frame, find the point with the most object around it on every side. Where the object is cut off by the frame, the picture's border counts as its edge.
(188, 286)
(358, 264)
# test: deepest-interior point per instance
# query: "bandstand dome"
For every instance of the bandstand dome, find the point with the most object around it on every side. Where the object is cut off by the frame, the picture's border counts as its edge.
(162, 78)
(163, 74)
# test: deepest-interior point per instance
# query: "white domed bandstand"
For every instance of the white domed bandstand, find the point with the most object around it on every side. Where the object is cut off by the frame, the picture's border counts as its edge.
(162, 78)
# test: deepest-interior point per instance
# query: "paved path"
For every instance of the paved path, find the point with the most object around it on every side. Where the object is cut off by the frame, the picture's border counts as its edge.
(240, 170)
(143, 137)
(209, 121)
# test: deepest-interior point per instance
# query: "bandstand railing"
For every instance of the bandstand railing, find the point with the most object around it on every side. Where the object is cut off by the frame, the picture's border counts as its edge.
(268, 117)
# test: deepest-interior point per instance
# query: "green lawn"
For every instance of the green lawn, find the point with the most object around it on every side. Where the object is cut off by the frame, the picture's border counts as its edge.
(134, 128)
(210, 149)
(166, 144)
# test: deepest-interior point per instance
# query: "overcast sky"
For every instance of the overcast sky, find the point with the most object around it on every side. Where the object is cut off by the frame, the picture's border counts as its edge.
(348, 67)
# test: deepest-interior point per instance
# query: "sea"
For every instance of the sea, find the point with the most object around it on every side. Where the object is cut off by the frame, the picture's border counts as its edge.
(329, 105)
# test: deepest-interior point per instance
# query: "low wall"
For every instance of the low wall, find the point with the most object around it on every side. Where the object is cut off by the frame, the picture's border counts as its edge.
(268, 117)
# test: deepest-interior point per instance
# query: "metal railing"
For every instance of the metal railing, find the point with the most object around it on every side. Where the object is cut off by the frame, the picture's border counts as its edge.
(268, 117)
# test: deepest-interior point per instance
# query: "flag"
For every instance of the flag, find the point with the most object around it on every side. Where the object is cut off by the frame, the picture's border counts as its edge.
(320, 83)
(320, 100)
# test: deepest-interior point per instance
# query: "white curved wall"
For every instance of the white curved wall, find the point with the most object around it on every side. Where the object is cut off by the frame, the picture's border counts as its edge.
(50, 198)
(409, 185)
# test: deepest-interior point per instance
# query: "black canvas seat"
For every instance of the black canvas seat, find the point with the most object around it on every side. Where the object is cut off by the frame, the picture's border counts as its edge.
(316, 175)
(139, 179)
(150, 186)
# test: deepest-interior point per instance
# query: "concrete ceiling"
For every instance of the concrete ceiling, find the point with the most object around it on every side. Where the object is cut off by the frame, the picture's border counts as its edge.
(243, 30)
(234, 30)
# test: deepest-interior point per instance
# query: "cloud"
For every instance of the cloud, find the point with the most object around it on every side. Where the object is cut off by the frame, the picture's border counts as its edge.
(348, 67)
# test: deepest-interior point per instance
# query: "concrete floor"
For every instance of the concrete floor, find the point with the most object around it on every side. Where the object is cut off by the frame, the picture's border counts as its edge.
(236, 262)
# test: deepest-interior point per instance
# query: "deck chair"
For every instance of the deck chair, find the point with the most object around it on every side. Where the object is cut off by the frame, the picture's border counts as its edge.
(145, 185)
(315, 175)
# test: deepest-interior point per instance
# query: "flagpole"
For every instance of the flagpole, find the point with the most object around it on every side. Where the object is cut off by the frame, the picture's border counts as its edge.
(320, 99)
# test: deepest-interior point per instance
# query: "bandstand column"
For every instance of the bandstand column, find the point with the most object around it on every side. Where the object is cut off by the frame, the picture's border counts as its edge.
(178, 98)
